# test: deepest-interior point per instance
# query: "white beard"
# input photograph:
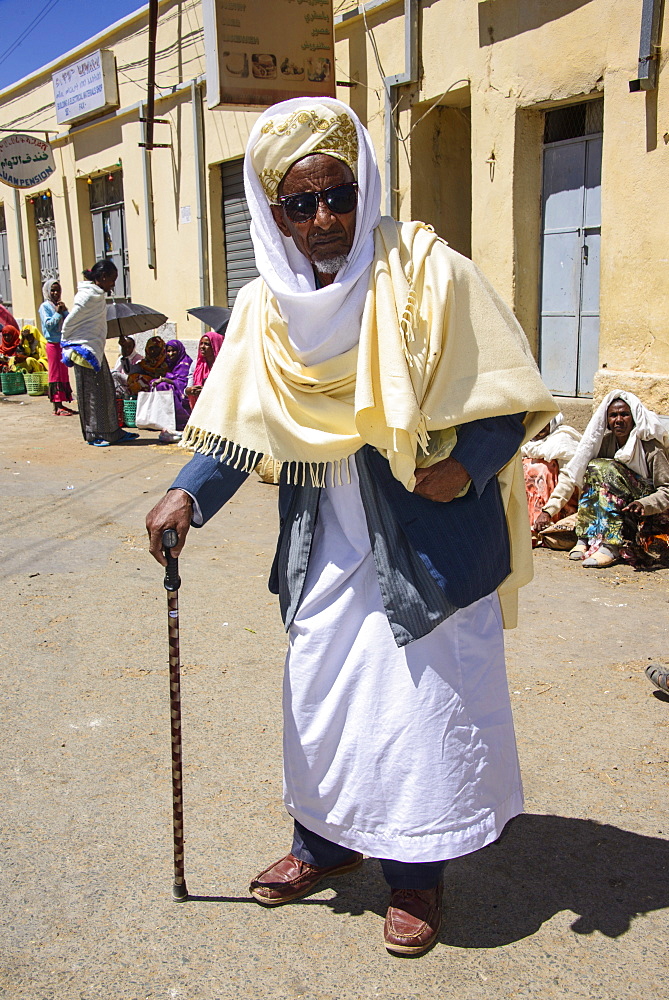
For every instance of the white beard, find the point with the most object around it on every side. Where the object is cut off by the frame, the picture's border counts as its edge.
(332, 265)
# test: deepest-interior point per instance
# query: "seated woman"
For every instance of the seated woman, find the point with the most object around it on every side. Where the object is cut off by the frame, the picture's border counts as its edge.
(129, 357)
(31, 355)
(151, 367)
(209, 346)
(9, 344)
(176, 378)
(622, 468)
(543, 457)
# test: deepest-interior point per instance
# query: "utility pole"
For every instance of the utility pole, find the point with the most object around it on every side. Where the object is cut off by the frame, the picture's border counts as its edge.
(150, 120)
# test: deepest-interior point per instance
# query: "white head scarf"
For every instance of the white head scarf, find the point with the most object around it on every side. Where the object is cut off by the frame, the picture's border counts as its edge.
(559, 445)
(647, 427)
(46, 288)
(321, 322)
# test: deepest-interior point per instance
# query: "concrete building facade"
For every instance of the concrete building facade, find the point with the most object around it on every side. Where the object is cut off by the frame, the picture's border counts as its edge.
(509, 126)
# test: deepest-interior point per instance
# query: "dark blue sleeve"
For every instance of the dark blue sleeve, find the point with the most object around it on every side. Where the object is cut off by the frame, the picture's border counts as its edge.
(211, 483)
(485, 446)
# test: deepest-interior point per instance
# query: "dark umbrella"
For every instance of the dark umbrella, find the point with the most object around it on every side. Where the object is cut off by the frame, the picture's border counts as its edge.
(215, 317)
(126, 318)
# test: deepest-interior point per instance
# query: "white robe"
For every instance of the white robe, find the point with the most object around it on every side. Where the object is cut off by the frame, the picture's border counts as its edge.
(404, 753)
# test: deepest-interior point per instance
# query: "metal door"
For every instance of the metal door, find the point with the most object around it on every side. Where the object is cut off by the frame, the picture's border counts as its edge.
(240, 262)
(569, 342)
(109, 234)
(5, 280)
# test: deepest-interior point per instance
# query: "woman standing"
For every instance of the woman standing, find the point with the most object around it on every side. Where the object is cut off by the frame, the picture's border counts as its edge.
(52, 314)
(622, 468)
(84, 336)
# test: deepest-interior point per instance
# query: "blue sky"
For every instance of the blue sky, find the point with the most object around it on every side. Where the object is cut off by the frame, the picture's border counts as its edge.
(59, 26)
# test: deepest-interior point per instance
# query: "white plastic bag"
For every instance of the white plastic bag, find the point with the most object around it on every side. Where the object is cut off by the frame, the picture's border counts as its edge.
(155, 410)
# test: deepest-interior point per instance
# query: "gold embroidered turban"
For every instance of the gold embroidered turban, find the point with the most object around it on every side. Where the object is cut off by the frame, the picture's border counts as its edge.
(285, 139)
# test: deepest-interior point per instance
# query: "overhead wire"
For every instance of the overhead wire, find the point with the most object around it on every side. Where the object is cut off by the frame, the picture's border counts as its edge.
(46, 9)
(404, 139)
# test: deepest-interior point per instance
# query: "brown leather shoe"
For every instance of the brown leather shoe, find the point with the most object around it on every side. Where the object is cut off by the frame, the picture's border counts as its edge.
(413, 920)
(290, 878)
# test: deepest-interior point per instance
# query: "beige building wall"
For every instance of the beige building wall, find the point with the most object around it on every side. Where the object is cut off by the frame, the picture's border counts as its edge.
(503, 64)
(470, 151)
(106, 145)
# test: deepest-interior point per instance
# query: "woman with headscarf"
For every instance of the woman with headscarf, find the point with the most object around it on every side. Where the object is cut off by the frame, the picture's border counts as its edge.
(10, 342)
(543, 457)
(621, 467)
(176, 379)
(31, 355)
(152, 366)
(84, 336)
(52, 314)
(208, 348)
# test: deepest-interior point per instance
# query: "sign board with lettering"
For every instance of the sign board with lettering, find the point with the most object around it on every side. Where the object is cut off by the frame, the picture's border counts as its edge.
(263, 51)
(25, 161)
(86, 88)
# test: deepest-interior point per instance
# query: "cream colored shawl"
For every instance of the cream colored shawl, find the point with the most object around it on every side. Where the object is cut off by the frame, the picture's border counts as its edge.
(437, 348)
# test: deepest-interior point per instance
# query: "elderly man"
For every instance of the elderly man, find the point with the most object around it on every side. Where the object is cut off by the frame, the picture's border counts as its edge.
(395, 387)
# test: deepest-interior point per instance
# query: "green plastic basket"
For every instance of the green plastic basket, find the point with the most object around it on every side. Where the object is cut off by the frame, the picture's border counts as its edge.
(13, 383)
(129, 412)
(37, 383)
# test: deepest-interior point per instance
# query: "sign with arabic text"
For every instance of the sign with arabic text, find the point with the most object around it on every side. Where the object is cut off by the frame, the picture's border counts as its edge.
(25, 161)
(86, 88)
(262, 51)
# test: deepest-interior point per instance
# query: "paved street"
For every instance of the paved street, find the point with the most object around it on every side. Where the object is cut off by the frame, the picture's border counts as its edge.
(570, 903)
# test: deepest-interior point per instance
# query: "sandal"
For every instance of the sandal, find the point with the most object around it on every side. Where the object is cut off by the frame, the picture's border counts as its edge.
(64, 413)
(604, 556)
(126, 436)
(660, 678)
(579, 550)
(100, 443)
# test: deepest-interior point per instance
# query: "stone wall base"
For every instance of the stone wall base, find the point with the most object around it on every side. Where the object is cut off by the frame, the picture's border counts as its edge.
(652, 388)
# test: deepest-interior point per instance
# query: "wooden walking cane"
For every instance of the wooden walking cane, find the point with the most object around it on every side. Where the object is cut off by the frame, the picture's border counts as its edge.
(172, 583)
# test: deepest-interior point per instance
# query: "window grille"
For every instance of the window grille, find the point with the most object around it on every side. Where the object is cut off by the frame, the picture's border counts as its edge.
(574, 121)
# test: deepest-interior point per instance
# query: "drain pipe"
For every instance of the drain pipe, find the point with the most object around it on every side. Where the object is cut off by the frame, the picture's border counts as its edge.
(149, 219)
(391, 85)
(200, 192)
(649, 46)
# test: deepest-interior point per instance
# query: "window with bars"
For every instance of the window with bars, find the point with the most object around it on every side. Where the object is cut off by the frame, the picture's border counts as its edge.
(43, 209)
(574, 121)
(45, 226)
(106, 190)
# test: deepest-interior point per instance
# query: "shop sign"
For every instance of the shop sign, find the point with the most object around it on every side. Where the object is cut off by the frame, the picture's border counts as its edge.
(85, 88)
(25, 161)
(262, 51)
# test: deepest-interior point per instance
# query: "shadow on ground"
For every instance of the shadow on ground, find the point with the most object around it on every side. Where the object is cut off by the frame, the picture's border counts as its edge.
(545, 864)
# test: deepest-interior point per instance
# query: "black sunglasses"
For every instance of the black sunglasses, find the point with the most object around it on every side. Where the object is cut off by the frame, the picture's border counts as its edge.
(341, 200)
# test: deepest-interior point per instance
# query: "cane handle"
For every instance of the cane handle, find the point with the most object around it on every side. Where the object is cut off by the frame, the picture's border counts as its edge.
(170, 540)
